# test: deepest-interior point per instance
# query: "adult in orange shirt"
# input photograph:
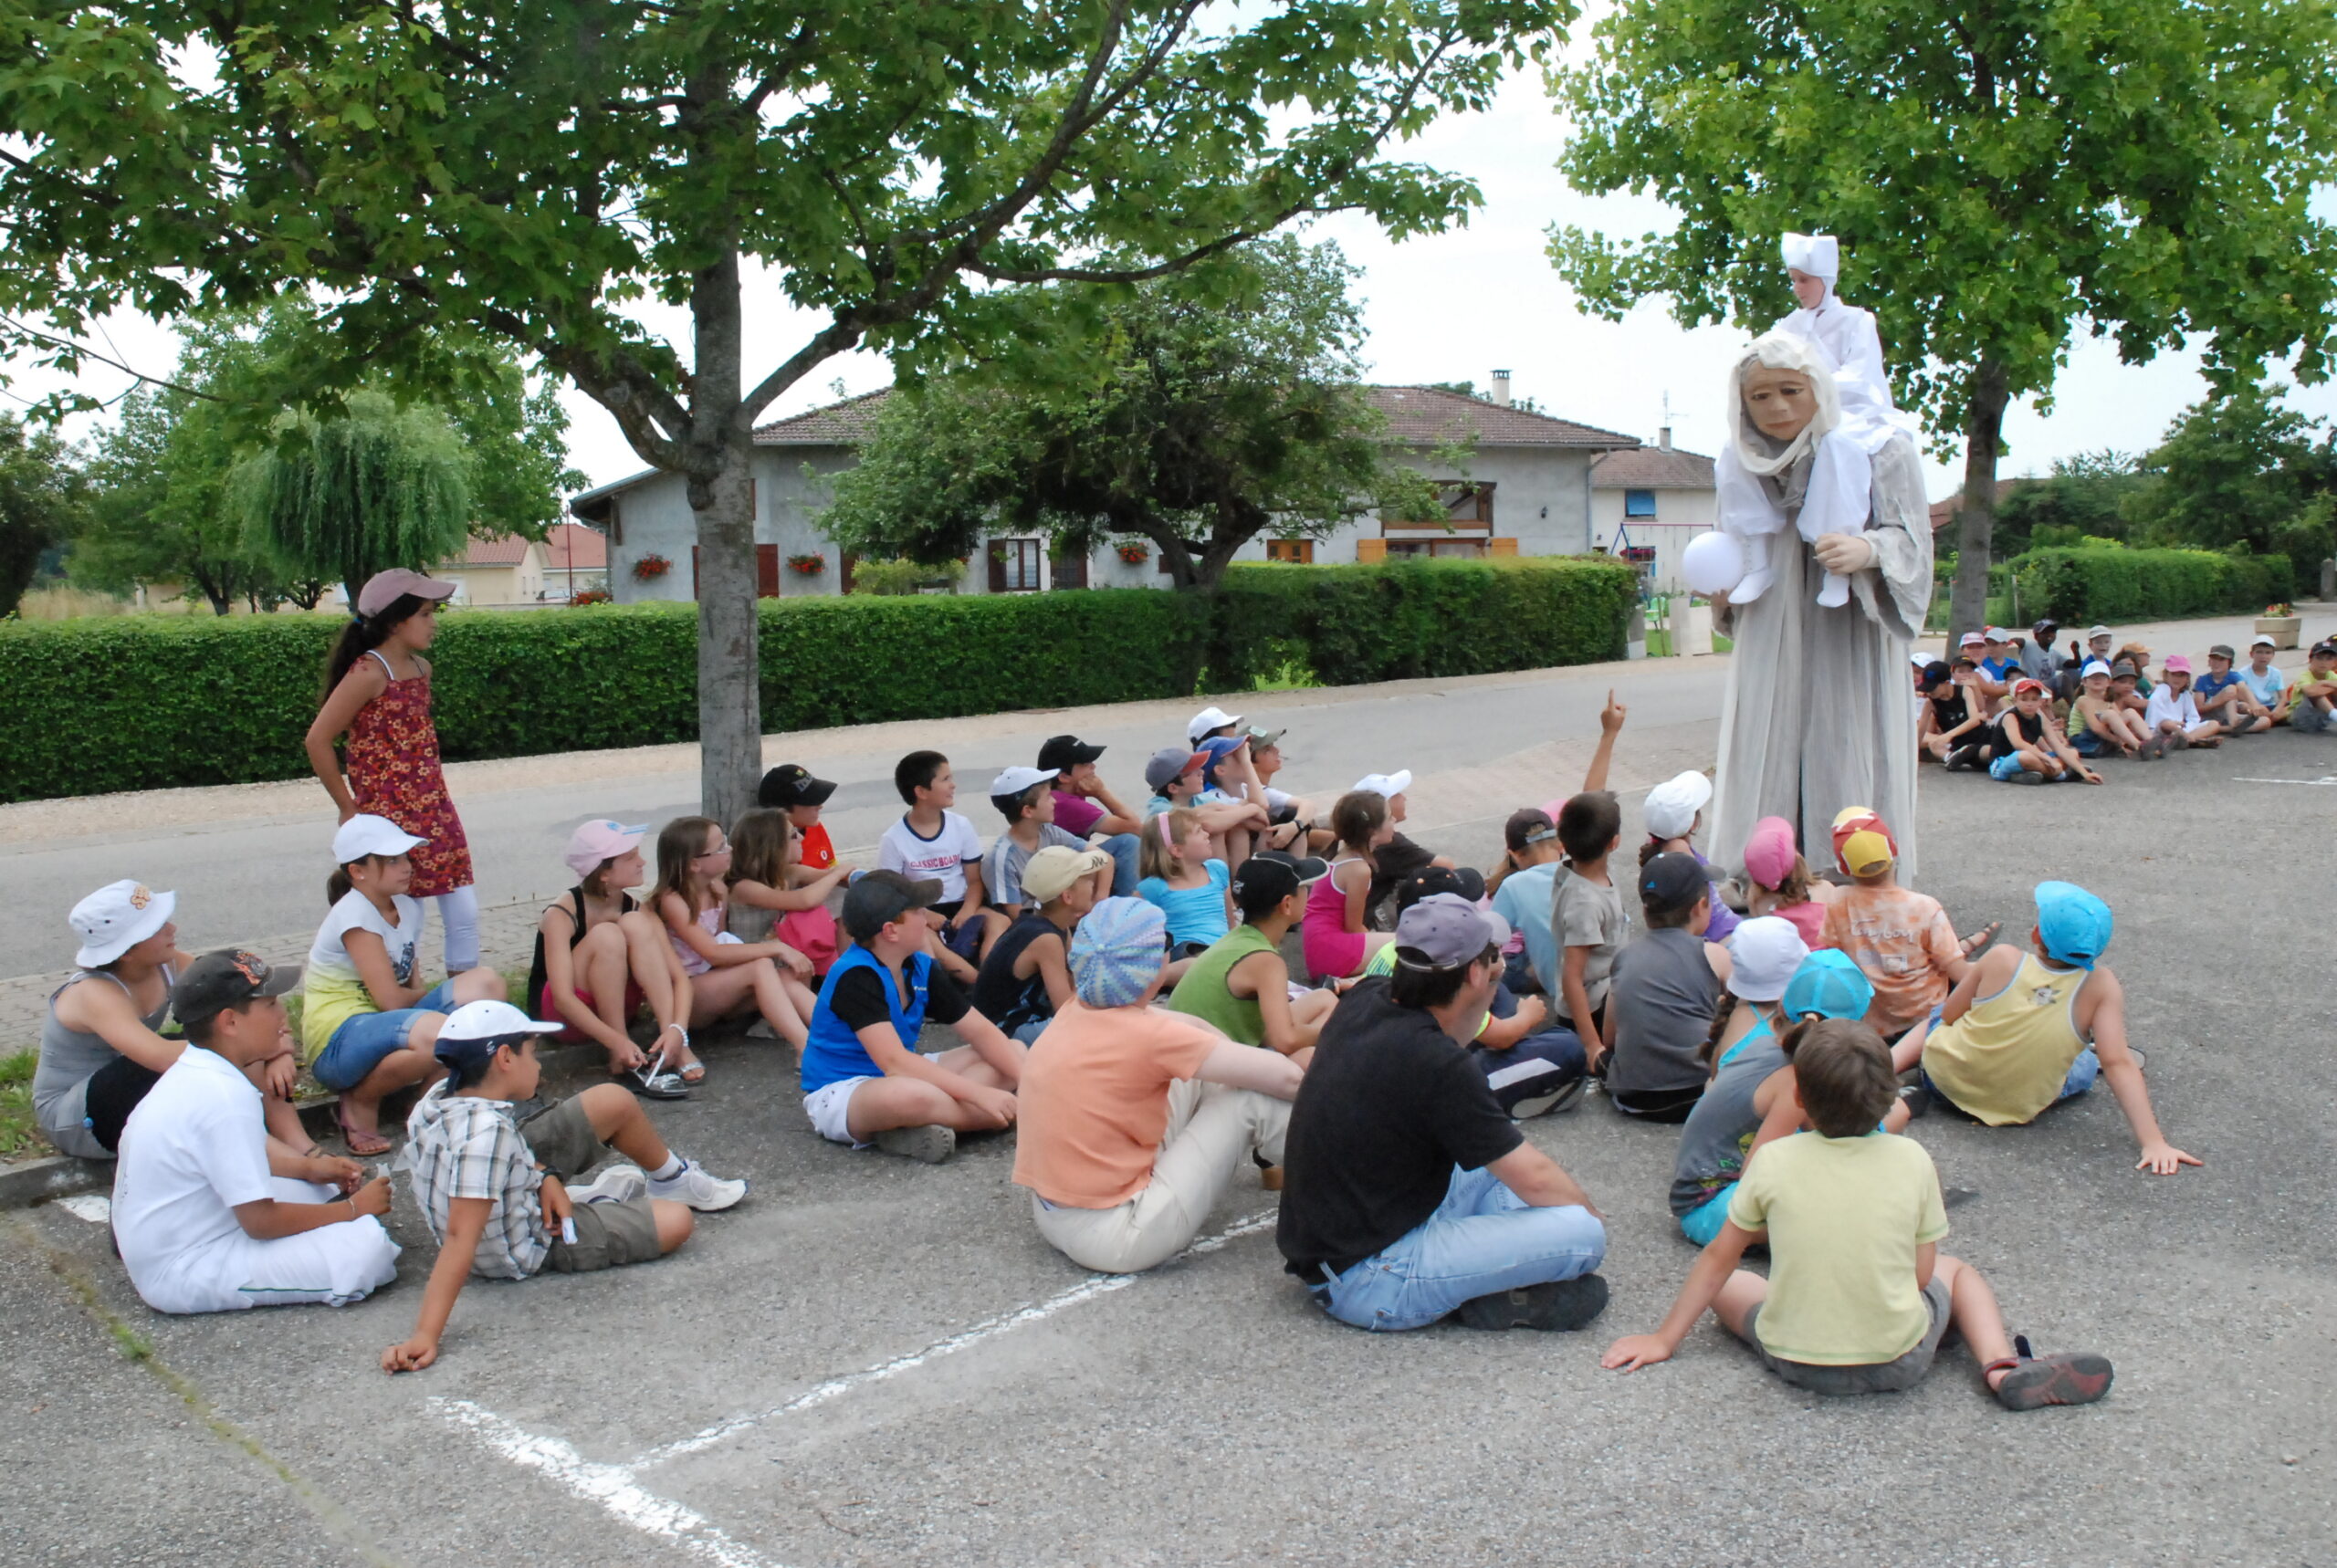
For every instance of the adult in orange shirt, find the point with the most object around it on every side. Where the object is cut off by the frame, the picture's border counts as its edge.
(1133, 1119)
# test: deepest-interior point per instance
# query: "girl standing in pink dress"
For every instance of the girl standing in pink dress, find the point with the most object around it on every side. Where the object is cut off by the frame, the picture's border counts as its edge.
(377, 693)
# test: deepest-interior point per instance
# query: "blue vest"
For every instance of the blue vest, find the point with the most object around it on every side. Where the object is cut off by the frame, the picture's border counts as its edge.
(834, 1052)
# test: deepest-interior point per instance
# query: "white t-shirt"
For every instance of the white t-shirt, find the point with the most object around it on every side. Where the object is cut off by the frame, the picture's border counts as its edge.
(332, 991)
(2166, 705)
(194, 1148)
(942, 858)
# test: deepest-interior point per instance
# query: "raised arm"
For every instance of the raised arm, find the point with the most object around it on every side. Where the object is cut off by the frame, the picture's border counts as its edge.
(1610, 725)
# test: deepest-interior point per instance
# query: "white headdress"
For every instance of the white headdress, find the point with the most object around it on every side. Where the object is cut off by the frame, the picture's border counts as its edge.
(1759, 454)
(1817, 255)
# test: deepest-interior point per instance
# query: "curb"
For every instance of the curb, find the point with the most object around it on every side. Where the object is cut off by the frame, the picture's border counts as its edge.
(58, 1175)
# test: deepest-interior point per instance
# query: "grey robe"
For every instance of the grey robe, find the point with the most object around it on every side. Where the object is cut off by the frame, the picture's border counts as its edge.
(1820, 711)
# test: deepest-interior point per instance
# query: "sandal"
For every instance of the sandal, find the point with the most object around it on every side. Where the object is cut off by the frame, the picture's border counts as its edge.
(2032, 1382)
(361, 1146)
(1982, 938)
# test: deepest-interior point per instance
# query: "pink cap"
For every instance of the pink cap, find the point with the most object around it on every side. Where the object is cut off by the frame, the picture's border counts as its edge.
(594, 842)
(1970, 639)
(384, 589)
(2176, 664)
(1770, 852)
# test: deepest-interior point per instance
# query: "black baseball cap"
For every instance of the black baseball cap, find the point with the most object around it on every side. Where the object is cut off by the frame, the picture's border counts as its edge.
(1062, 753)
(881, 897)
(1528, 825)
(791, 784)
(1673, 880)
(2046, 628)
(217, 981)
(1935, 672)
(1268, 877)
(1428, 881)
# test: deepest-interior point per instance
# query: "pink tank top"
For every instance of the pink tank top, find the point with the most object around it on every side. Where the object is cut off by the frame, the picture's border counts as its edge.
(709, 920)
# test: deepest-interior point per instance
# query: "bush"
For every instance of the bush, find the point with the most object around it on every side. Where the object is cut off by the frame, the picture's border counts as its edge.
(153, 702)
(2091, 584)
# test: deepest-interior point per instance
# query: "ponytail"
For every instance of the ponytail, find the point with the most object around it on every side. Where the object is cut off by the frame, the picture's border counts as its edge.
(1649, 850)
(363, 633)
(1790, 1042)
(1711, 1052)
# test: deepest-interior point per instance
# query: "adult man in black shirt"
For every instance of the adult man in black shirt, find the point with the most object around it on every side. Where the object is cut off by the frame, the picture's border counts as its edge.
(1409, 1193)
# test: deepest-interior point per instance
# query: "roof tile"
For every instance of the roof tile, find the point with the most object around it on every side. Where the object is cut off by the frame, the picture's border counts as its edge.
(1653, 469)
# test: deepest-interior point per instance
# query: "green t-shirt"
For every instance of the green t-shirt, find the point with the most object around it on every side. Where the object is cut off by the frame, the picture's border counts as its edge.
(1204, 993)
(1844, 1216)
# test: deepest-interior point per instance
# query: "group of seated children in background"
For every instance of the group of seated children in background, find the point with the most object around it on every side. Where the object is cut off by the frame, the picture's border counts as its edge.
(1123, 994)
(2025, 714)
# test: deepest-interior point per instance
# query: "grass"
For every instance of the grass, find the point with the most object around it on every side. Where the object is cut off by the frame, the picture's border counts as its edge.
(1659, 642)
(1290, 675)
(19, 1133)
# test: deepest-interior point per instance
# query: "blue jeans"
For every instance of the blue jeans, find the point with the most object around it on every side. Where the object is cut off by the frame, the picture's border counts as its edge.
(1518, 974)
(1122, 848)
(1481, 1239)
(357, 1046)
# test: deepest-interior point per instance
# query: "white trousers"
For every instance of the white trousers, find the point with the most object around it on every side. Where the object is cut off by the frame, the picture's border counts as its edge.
(337, 1263)
(1211, 1131)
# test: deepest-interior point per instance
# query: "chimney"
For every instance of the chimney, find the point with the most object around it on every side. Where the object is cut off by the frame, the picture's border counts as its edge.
(1663, 438)
(1501, 388)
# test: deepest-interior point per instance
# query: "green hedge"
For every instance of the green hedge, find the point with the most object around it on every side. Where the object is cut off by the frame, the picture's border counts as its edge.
(2080, 586)
(154, 702)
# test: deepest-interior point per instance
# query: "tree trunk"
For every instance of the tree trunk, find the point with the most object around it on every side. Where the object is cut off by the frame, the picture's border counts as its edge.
(1976, 517)
(729, 688)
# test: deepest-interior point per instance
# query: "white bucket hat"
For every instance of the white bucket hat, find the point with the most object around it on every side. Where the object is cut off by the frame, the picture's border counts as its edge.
(1672, 806)
(116, 918)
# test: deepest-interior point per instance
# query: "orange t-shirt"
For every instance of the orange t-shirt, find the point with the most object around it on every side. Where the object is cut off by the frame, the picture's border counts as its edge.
(1093, 1106)
(1903, 941)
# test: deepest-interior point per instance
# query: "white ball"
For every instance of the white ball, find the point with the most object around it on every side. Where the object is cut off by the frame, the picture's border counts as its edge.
(1712, 563)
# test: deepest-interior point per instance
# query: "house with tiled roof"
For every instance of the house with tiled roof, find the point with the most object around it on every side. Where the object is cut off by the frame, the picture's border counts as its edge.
(571, 560)
(1523, 488)
(1648, 502)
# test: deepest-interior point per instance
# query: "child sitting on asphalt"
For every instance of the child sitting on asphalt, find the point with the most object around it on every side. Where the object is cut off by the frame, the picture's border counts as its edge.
(1175, 777)
(2173, 713)
(492, 1185)
(1901, 938)
(1336, 943)
(1673, 813)
(2029, 746)
(1398, 859)
(1025, 976)
(728, 977)
(601, 958)
(1186, 882)
(932, 841)
(1522, 886)
(1952, 720)
(1667, 982)
(1750, 1101)
(1859, 1295)
(1025, 796)
(2098, 725)
(2024, 1030)
(864, 1080)
(771, 898)
(2313, 696)
(2267, 688)
(1780, 881)
(2223, 696)
(1586, 920)
(1241, 984)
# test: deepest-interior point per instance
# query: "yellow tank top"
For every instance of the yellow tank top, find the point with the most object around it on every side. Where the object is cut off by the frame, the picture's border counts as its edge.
(2005, 1060)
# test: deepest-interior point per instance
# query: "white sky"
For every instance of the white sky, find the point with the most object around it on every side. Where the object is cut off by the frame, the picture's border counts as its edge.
(1453, 307)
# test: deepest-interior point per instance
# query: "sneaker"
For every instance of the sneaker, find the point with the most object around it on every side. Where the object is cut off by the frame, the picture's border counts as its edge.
(2026, 777)
(1558, 1305)
(930, 1144)
(615, 1185)
(691, 1185)
(2036, 1381)
(1565, 1097)
(1917, 1098)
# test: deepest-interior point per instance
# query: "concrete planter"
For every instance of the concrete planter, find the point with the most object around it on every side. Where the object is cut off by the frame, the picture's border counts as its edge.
(2283, 629)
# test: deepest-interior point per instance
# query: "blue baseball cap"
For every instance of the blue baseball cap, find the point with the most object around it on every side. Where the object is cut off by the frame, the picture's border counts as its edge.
(2073, 923)
(1217, 748)
(1119, 947)
(1831, 983)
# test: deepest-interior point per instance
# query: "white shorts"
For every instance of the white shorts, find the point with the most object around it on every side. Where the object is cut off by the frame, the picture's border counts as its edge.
(828, 1109)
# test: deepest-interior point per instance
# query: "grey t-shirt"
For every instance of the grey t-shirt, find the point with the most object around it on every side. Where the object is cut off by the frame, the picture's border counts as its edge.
(1586, 913)
(1665, 995)
(1721, 1128)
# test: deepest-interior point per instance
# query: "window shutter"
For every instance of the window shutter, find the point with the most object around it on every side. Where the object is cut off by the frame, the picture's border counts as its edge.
(997, 566)
(1370, 549)
(844, 572)
(1502, 547)
(766, 571)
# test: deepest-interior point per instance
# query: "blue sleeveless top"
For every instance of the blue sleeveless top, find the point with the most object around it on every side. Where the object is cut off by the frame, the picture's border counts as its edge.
(834, 1053)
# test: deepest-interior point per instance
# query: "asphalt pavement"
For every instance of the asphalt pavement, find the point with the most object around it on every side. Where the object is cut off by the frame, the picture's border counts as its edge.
(874, 1361)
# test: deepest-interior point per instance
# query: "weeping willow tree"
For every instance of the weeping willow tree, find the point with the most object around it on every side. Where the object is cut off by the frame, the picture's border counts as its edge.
(375, 486)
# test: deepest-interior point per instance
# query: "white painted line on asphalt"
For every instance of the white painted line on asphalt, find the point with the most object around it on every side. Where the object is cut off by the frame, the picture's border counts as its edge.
(2309, 783)
(610, 1486)
(1087, 1290)
(93, 1206)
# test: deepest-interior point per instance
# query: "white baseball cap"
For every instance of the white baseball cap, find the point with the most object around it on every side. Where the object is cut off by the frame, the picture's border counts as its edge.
(2261, 641)
(365, 834)
(1672, 806)
(116, 918)
(1386, 786)
(1763, 954)
(1014, 781)
(1970, 639)
(2093, 667)
(1210, 718)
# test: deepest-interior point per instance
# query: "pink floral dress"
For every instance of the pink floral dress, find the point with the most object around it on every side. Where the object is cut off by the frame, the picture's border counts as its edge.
(391, 756)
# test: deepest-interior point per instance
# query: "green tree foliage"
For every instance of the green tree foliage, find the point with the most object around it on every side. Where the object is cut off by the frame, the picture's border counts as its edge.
(375, 486)
(2085, 497)
(2240, 470)
(43, 494)
(1996, 174)
(538, 171)
(1195, 412)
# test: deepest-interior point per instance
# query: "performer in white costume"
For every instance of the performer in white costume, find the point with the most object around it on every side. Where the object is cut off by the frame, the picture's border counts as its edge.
(1818, 709)
(1853, 347)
